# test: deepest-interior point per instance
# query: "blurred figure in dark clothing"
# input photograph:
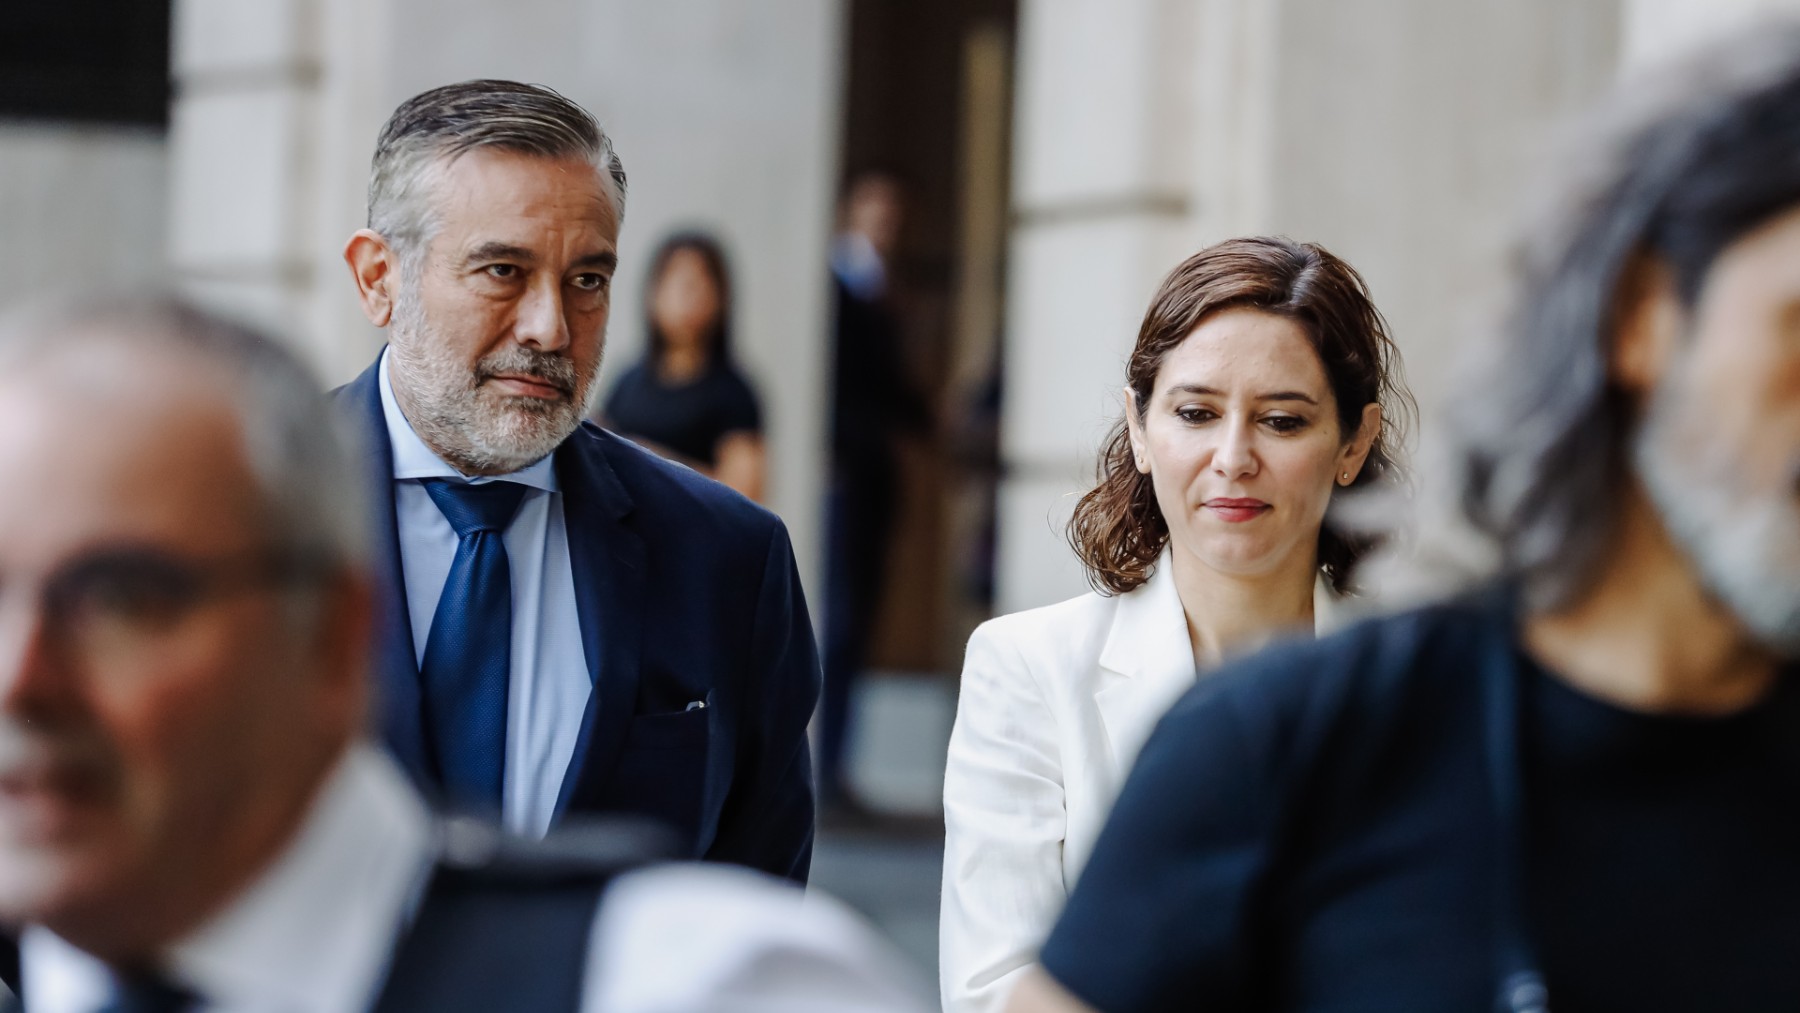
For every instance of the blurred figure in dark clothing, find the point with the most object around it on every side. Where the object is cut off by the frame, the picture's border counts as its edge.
(874, 404)
(687, 399)
(1573, 788)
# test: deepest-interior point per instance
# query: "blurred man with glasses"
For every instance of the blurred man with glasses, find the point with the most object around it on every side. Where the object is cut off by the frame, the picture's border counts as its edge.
(190, 814)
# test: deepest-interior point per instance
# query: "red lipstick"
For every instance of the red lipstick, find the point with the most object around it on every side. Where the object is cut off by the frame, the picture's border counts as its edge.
(1234, 510)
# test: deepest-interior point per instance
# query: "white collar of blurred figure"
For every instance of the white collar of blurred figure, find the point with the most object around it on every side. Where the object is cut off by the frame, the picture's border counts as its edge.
(858, 265)
(310, 935)
(413, 459)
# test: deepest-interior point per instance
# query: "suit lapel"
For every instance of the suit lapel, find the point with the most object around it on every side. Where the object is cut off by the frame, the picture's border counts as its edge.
(607, 559)
(1147, 662)
(396, 661)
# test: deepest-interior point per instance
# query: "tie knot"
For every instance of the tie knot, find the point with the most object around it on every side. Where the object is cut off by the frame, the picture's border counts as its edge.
(470, 508)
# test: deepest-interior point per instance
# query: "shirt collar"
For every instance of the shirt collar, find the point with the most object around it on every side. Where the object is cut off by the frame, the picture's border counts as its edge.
(414, 460)
(312, 933)
(858, 266)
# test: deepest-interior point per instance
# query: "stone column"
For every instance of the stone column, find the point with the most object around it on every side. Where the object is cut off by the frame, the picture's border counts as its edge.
(83, 208)
(1102, 205)
(246, 75)
(1655, 29)
(277, 105)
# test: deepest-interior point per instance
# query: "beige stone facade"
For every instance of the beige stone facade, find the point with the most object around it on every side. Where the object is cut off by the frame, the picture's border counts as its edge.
(1397, 132)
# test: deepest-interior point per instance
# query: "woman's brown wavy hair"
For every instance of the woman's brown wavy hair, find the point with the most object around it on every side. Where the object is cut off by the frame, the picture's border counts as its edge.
(1117, 531)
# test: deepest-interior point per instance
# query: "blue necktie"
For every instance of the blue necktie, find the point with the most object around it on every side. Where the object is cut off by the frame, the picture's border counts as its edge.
(469, 651)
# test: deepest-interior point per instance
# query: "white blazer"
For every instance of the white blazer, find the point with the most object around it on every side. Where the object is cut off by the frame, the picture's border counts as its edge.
(1055, 704)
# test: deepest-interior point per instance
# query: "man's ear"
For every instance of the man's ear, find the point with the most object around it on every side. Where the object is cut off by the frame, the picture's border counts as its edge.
(1647, 323)
(375, 267)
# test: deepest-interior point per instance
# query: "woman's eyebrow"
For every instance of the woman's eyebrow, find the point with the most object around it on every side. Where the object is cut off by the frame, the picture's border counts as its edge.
(1288, 395)
(1279, 395)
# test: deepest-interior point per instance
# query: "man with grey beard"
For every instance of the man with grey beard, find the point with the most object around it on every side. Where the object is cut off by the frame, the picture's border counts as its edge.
(572, 624)
(1574, 788)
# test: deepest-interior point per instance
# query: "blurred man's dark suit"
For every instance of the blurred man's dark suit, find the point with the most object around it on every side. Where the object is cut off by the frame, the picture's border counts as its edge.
(875, 404)
(696, 634)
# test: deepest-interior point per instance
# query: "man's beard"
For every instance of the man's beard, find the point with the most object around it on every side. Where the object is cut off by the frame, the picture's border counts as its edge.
(1743, 540)
(477, 430)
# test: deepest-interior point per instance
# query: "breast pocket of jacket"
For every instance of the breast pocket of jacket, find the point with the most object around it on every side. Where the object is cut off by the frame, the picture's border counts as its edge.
(662, 769)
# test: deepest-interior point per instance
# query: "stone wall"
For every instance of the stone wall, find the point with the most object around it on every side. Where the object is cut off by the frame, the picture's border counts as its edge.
(81, 208)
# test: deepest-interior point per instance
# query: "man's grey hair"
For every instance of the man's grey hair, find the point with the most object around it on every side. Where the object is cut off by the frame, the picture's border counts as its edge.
(1676, 168)
(431, 129)
(303, 458)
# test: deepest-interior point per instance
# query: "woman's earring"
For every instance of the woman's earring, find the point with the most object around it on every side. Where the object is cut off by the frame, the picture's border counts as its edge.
(1346, 478)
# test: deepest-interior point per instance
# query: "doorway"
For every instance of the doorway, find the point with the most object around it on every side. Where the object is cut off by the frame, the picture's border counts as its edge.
(928, 101)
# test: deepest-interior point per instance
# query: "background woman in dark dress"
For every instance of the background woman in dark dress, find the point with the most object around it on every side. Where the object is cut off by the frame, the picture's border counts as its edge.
(686, 400)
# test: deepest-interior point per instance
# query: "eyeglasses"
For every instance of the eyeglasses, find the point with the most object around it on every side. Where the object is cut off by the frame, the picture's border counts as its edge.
(114, 603)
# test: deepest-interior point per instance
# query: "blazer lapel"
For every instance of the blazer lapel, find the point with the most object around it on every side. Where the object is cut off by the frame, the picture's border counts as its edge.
(1147, 662)
(398, 699)
(607, 559)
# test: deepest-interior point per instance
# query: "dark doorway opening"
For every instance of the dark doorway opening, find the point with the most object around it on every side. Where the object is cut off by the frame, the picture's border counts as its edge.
(928, 100)
(94, 61)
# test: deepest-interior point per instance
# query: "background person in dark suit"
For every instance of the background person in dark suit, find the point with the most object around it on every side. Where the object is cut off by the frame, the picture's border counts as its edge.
(574, 624)
(874, 404)
(190, 815)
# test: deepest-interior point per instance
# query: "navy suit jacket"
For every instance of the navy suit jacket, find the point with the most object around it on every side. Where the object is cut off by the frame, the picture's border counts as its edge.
(686, 591)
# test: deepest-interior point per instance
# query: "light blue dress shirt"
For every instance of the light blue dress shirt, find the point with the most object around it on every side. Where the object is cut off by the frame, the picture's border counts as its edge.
(549, 684)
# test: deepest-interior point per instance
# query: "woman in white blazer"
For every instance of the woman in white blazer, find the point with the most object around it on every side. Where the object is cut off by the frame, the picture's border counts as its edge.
(1262, 381)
